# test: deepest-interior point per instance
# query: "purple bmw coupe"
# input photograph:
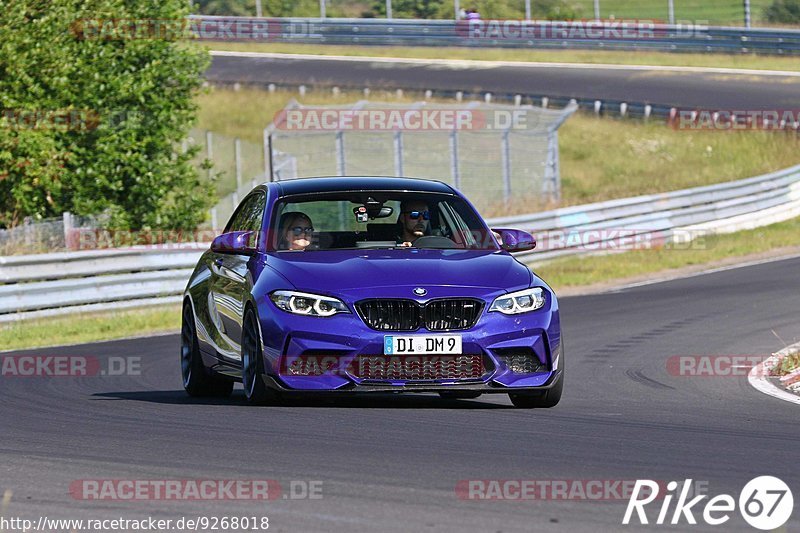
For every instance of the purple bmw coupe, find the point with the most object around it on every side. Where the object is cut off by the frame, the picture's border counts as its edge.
(358, 285)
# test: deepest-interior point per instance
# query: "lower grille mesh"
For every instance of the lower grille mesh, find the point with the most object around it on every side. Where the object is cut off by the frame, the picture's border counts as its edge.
(409, 368)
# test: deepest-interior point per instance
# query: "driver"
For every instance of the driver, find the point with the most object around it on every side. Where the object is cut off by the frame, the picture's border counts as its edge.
(414, 221)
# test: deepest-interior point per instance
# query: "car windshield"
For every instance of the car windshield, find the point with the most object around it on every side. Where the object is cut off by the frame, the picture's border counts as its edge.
(377, 219)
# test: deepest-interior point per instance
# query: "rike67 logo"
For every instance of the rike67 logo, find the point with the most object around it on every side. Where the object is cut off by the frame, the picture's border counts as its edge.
(766, 503)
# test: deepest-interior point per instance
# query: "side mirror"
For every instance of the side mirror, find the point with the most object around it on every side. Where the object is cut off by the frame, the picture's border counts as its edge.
(515, 240)
(235, 242)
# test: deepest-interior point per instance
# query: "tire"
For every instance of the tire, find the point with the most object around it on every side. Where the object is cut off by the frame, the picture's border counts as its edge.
(542, 400)
(459, 395)
(255, 390)
(198, 381)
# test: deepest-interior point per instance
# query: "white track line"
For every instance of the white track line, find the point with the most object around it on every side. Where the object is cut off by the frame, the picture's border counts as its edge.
(759, 381)
(472, 63)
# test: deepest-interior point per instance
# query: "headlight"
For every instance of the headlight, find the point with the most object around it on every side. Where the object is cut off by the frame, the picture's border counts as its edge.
(519, 302)
(302, 303)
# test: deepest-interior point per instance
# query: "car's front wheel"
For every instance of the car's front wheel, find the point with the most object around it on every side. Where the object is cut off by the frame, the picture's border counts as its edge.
(543, 399)
(255, 390)
(197, 380)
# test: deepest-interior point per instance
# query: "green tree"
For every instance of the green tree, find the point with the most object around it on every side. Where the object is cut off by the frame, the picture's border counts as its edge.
(783, 11)
(418, 9)
(270, 8)
(137, 94)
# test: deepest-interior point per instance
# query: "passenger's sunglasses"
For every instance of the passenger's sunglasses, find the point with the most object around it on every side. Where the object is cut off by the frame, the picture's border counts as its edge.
(297, 230)
(426, 215)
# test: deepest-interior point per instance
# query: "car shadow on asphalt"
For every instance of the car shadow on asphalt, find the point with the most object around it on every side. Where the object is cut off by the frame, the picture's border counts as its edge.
(371, 401)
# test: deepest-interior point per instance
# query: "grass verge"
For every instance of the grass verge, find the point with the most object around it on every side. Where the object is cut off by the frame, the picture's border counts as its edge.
(788, 364)
(734, 61)
(89, 327)
(590, 270)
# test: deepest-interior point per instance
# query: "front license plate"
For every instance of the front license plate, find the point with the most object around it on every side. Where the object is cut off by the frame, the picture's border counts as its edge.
(422, 345)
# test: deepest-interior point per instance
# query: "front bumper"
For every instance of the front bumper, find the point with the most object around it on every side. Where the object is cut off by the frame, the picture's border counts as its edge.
(495, 337)
(488, 387)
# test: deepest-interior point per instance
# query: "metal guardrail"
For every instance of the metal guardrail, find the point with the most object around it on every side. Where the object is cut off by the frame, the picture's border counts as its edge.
(608, 35)
(663, 218)
(42, 285)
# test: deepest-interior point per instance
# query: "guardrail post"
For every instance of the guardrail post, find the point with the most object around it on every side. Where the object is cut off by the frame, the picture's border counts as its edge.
(340, 159)
(214, 218)
(258, 8)
(209, 151)
(268, 163)
(398, 153)
(597, 9)
(551, 184)
(506, 160)
(454, 170)
(68, 231)
(747, 14)
(388, 9)
(527, 9)
(322, 10)
(671, 9)
(545, 102)
(237, 161)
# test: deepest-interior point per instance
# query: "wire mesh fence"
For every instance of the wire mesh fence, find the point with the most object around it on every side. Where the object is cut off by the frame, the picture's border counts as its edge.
(495, 154)
(45, 235)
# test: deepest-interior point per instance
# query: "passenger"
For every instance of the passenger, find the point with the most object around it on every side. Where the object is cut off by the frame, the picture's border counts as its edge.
(414, 221)
(472, 14)
(295, 230)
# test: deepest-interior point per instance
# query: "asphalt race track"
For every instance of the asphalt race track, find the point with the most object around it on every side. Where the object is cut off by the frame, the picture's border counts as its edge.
(682, 89)
(392, 463)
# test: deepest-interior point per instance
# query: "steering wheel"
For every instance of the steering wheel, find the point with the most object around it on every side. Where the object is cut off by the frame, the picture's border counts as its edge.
(433, 241)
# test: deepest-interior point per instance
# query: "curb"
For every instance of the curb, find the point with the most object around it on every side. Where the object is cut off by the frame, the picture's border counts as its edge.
(757, 377)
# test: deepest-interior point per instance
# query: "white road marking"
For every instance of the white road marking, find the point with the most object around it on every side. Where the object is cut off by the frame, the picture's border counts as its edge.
(476, 64)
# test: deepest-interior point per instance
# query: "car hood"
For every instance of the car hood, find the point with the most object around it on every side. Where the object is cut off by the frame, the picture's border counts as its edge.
(351, 271)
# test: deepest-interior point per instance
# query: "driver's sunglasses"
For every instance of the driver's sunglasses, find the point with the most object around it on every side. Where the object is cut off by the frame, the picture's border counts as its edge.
(297, 230)
(426, 215)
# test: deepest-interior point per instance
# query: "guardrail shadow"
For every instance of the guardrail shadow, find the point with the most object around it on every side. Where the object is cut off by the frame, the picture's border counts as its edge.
(370, 401)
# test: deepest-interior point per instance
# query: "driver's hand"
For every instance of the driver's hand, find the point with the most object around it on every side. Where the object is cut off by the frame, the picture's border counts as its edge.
(406, 244)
